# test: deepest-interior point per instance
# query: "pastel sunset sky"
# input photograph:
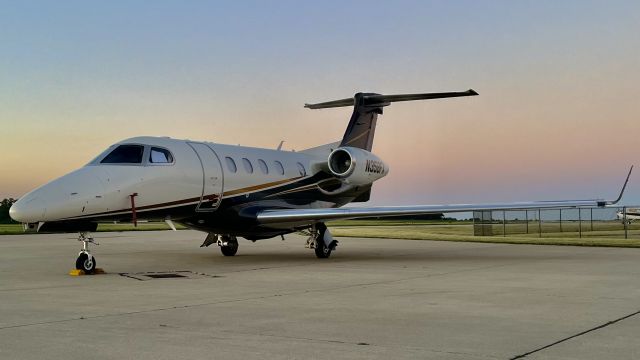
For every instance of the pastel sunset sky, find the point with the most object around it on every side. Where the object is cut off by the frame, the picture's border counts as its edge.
(558, 116)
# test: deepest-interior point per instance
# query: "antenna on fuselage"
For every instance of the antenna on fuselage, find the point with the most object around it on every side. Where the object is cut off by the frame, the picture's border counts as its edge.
(280, 146)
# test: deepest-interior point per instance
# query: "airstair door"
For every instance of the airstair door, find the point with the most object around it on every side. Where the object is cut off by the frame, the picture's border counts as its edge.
(212, 177)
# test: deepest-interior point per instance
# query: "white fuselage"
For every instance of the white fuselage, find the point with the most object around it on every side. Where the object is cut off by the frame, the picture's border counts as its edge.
(199, 176)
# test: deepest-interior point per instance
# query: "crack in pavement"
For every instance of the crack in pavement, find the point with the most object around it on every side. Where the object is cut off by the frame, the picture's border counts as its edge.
(601, 326)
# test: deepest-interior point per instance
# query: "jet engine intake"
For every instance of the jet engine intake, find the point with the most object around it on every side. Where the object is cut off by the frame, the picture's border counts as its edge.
(356, 166)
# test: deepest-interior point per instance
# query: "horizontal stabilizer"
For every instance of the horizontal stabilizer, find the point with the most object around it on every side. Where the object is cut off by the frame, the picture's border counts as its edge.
(384, 100)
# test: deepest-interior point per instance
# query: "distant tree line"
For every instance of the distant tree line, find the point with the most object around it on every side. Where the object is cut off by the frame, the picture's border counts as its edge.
(4, 211)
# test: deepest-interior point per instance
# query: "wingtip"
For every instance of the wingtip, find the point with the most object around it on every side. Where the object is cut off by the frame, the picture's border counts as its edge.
(472, 92)
(624, 187)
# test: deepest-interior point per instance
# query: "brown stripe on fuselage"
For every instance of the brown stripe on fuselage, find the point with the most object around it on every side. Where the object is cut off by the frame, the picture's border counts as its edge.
(258, 187)
(302, 188)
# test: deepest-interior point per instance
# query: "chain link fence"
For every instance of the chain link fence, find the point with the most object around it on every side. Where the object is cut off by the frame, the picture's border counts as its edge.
(614, 222)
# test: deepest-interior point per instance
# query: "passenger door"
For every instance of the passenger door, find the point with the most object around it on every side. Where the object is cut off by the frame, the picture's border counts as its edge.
(212, 177)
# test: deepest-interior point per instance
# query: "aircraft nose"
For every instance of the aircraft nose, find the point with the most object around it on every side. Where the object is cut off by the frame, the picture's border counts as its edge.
(28, 210)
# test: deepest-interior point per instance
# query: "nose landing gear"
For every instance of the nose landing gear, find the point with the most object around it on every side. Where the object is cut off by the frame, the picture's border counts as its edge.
(85, 261)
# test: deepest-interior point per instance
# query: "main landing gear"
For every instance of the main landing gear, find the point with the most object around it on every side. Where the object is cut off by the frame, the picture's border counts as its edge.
(228, 244)
(85, 261)
(321, 241)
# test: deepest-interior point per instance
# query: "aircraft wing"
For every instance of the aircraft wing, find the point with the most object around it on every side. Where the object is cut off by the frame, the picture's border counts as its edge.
(299, 215)
(305, 215)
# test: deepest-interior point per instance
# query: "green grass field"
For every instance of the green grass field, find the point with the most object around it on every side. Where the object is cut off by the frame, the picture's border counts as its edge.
(10, 229)
(609, 233)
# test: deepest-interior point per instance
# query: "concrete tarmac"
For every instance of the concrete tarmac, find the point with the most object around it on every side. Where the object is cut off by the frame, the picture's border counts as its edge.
(373, 299)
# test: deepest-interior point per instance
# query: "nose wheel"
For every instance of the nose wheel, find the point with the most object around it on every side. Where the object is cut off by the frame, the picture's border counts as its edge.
(85, 261)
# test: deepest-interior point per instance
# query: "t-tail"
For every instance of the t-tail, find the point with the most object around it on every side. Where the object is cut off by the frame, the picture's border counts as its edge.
(367, 107)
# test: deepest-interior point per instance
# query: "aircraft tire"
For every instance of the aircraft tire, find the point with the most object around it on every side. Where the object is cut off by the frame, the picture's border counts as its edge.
(85, 264)
(322, 251)
(230, 250)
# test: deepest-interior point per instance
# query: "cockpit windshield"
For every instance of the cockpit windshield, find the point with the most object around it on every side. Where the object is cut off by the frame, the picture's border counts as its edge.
(125, 154)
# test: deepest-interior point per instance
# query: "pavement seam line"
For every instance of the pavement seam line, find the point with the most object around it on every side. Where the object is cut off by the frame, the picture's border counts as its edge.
(601, 326)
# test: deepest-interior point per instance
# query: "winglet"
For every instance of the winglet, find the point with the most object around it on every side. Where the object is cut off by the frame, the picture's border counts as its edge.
(621, 191)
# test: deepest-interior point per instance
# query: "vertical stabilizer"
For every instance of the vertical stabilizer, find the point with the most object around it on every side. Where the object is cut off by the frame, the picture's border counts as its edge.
(362, 125)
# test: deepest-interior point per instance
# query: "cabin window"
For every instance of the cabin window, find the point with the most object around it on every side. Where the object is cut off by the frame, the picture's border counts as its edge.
(263, 166)
(247, 165)
(301, 169)
(279, 167)
(125, 154)
(231, 165)
(160, 156)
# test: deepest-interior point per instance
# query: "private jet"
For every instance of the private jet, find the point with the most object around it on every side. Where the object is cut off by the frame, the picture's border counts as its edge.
(628, 215)
(231, 191)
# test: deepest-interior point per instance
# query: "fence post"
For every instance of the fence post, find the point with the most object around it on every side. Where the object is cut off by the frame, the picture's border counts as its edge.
(504, 223)
(580, 221)
(560, 220)
(539, 223)
(624, 220)
(591, 219)
(474, 223)
(526, 219)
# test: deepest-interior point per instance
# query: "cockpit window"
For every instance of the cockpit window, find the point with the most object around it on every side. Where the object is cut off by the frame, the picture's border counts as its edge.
(160, 156)
(125, 154)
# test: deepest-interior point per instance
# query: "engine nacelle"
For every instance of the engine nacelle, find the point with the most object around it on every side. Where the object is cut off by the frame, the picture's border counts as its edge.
(356, 166)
